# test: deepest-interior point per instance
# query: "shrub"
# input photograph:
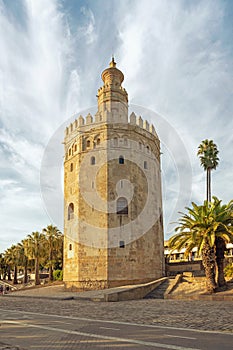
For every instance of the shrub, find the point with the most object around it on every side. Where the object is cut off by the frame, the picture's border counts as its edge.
(58, 275)
(229, 270)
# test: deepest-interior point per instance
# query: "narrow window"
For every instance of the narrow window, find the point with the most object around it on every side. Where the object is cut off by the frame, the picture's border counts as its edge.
(140, 145)
(88, 143)
(75, 148)
(121, 184)
(115, 141)
(70, 152)
(92, 160)
(121, 160)
(122, 244)
(161, 216)
(145, 165)
(98, 142)
(148, 149)
(70, 246)
(71, 166)
(122, 206)
(70, 211)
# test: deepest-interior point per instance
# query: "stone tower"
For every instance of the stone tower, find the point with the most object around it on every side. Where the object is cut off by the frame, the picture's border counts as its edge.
(112, 186)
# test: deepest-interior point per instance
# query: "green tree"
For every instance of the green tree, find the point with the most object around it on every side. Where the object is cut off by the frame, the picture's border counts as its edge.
(35, 248)
(3, 267)
(24, 259)
(208, 154)
(223, 234)
(54, 239)
(202, 227)
(12, 256)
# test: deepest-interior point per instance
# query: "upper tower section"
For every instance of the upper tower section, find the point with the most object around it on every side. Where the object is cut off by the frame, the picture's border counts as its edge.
(112, 97)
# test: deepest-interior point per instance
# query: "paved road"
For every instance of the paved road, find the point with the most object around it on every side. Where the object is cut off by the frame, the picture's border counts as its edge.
(145, 324)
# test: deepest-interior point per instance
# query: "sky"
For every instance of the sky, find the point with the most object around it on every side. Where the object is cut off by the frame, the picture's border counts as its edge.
(177, 59)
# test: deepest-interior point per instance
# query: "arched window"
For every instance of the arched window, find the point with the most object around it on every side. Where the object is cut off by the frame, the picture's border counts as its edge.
(98, 142)
(75, 148)
(140, 145)
(145, 165)
(70, 211)
(70, 152)
(71, 166)
(122, 206)
(88, 143)
(121, 160)
(115, 141)
(122, 244)
(148, 149)
(92, 160)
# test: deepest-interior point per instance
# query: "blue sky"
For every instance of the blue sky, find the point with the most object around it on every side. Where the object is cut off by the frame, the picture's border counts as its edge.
(177, 60)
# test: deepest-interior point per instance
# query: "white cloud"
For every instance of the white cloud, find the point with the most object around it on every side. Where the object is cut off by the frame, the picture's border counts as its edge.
(35, 85)
(177, 63)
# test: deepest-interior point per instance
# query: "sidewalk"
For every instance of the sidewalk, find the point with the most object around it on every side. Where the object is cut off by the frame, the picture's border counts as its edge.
(186, 289)
(130, 292)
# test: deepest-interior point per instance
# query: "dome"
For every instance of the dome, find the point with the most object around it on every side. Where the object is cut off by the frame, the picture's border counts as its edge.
(112, 74)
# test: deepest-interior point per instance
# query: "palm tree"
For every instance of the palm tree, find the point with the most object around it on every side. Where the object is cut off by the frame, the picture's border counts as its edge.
(8, 261)
(3, 267)
(224, 234)
(35, 248)
(208, 154)
(54, 240)
(24, 259)
(203, 227)
(12, 256)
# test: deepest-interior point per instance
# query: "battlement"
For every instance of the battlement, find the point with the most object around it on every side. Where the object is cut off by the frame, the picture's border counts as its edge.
(83, 124)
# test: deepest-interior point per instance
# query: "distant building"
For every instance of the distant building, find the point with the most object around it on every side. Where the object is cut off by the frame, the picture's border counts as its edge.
(177, 262)
(179, 255)
(112, 186)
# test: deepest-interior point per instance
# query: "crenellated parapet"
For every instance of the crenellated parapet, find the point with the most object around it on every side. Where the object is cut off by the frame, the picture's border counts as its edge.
(85, 124)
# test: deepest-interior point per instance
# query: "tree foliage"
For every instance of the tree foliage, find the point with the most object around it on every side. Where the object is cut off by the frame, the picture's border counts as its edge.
(42, 249)
(208, 154)
(203, 226)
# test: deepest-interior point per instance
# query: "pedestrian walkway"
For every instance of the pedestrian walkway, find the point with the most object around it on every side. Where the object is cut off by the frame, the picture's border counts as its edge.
(187, 289)
(128, 292)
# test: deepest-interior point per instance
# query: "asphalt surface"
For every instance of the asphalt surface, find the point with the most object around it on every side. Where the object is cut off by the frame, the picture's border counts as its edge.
(142, 324)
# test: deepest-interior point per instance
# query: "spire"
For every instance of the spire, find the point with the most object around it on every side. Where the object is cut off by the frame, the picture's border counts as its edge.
(112, 64)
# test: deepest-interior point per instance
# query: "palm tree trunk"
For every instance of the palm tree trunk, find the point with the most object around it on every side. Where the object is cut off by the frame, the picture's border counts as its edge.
(208, 260)
(9, 273)
(220, 249)
(207, 185)
(25, 280)
(15, 275)
(50, 266)
(37, 277)
(220, 270)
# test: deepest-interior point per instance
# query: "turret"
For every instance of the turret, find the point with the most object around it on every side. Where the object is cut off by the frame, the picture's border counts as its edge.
(112, 97)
